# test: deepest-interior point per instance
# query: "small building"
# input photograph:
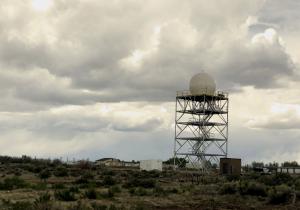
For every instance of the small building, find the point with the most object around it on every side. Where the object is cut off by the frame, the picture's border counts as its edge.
(109, 162)
(288, 170)
(149, 165)
(230, 166)
(131, 164)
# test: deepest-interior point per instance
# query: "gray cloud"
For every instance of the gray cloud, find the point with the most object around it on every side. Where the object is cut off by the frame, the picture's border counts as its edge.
(86, 42)
(57, 64)
(279, 121)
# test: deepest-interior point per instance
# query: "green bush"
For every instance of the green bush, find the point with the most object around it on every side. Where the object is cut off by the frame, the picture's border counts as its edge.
(110, 193)
(266, 179)
(12, 183)
(91, 193)
(43, 202)
(80, 205)
(282, 178)
(88, 175)
(21, 205)
(228, 188)
(58, 186)
(297, 184)
(65, 195)
(231, 178)
(108, 181)
(279, 194)
(108, 172)
(116, 189)
(61, 171)
(112, 207)
(159, 191)
(96, 206)
(45, 174)
(145, 183)
(39, 186)
(74, 189)
(252, 188)
(140, 191)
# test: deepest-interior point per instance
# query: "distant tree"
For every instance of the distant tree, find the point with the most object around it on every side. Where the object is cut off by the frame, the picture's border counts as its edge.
(84, 164)
(61, 171)
(272, 165)
(180, 162)
(290, 164)
(44, 174)
(257, 164)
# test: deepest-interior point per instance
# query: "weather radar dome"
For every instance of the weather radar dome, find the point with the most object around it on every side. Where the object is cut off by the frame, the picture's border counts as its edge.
(202, 84)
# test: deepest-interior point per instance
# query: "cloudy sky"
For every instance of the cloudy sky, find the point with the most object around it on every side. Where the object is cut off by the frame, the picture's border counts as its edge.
(97, 78)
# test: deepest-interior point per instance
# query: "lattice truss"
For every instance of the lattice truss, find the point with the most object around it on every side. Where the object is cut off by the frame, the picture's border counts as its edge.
(201, 129)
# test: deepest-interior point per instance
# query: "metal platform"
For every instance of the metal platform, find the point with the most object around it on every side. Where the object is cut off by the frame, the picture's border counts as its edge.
(201, 128)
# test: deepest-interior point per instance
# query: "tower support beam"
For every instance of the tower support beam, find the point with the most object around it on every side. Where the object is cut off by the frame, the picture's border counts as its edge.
(201, 129)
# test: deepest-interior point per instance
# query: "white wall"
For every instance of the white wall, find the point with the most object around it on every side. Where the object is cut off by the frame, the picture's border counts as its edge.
(149, 165)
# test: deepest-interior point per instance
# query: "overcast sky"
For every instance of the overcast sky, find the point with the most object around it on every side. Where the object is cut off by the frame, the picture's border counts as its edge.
(98, 78)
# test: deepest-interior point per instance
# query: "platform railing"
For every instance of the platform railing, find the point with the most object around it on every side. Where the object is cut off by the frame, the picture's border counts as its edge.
(188, 93)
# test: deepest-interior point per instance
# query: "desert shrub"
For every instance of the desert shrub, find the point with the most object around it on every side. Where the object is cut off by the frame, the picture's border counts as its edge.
(140, 191)
(44, 174)
(173, 190)
(12, 183)
(43, 202)
(108, 172)
(131, 190)
(282, 178)
(65, 195)
(96, 206)
(145, 183)
(112, 207)
(58, 186)
(252, 188)
(108, 181)
(266, 179)
(108, 194)
(279, 194)
(39, 186)
(74, 189)
(139, 206)
(61, 171)
(74, 172)
(45, 197)
(297, 184)
(231, 178)
(116, 189)
(85, 179)
(88, 175)
(18, 172)
(21, 205)
(81, 180)
(159, 191)
(91, 193)
(151, 174)
(80, 205)
(37, 169)
(228, 188)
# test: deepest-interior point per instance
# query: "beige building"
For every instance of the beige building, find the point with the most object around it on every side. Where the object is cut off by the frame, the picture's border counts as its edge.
(113, 162)
(108, 162)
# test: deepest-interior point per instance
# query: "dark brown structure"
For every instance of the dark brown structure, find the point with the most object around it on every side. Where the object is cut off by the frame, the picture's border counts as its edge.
(230, 166)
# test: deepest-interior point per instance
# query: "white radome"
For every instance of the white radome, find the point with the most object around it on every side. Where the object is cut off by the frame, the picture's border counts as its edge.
(202, 84)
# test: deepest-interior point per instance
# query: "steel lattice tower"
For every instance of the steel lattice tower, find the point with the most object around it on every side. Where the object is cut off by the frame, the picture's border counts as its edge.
(201, 128)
